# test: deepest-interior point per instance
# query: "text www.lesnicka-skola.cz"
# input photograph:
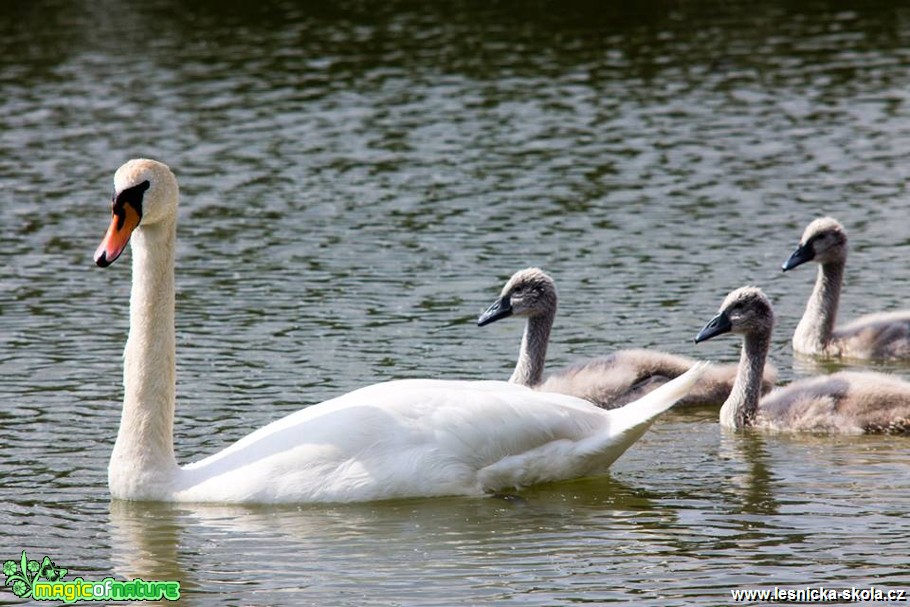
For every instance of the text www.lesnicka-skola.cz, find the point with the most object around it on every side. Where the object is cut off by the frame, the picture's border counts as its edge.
(820, 594)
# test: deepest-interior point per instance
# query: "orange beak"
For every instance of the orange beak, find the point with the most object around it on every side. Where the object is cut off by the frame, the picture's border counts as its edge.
(123, 222)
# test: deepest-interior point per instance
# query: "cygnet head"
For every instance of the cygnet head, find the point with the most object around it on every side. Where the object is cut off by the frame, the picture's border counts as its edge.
(745, 311)
(529, 292)
(824, 240)
(145, 193)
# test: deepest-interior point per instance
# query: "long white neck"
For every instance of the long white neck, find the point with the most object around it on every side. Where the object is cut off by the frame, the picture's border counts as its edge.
(741, 406)
(533, 353)
(813, 333)
(143, 461)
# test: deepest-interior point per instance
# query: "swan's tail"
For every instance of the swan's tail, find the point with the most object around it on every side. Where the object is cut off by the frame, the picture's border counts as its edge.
(629, 423)
(561, 460)
(647, 408)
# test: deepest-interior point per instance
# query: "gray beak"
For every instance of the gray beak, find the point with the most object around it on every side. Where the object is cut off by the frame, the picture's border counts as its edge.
(718, 325)
(502, 308)
(802, 254)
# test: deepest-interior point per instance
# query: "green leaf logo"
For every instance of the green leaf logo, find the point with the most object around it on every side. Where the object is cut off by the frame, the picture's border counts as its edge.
(22, 576)
(49, 571)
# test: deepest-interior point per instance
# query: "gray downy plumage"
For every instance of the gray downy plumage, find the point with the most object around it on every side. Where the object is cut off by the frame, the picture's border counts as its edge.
(880, 336)
(610, 381)
(847, 402)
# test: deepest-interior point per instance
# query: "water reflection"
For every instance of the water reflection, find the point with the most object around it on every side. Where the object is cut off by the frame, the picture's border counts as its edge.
(754, 487)
(473, 547)
(145, 539)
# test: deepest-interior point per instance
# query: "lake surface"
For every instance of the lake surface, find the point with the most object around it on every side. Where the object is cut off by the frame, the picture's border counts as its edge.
(358, 180)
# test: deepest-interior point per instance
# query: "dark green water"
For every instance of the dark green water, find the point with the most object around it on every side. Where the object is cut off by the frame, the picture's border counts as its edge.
(358, 181)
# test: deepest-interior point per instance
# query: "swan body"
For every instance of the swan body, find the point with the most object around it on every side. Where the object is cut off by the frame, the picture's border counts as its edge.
(610, 381)
(413, 438)
(847, 402)
(397, 439)
(879, 336)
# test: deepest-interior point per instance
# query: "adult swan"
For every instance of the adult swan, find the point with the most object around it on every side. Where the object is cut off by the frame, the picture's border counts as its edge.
(405, 438)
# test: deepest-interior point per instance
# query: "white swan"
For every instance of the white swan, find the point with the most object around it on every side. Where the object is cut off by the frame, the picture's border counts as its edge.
(884, 335)
(397, 439)
(609, 381)
(847, 402)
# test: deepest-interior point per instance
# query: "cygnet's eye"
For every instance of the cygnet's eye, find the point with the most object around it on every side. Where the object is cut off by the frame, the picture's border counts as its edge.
(823, 241)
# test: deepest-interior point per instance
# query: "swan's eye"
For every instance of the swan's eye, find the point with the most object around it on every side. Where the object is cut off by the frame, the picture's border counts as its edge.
(132, 194)
(133, 197)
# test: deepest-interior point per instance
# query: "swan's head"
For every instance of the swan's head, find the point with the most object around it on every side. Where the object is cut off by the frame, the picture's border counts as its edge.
(529, 292)
(745, 311)
(823, 241)
(145, 193)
